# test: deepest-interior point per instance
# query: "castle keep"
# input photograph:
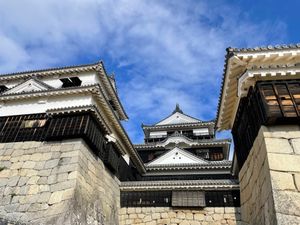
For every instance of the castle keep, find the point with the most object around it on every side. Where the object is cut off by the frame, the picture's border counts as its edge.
(66, 159)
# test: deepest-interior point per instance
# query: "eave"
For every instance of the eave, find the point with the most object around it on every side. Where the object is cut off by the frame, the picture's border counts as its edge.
(214, 142)
(225, 164)
(96, 67)
(180, 185)
(241, 61)
(179, 125)
(103, 106)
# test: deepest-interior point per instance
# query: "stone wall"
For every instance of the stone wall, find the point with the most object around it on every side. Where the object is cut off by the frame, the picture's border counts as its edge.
(172, 216)
(270, 178)
(56, 183)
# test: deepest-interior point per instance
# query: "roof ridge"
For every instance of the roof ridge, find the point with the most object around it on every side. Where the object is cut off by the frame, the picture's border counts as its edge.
(50, 69)
(265, 48)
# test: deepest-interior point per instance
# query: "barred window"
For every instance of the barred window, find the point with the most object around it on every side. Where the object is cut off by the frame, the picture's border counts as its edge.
(33, 123)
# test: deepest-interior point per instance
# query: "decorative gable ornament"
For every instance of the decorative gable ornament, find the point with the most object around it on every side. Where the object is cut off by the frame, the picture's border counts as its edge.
(177, 156)
(30, 85)
(178, 118)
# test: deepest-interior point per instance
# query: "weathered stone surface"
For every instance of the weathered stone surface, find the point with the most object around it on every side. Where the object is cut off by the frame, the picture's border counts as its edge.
(282, 180)
(56, 197)
(284, 162)
(51, 163)
(268, 177)
(297, 181)
(12, 181)
(296, 145)
(287, 202)
(283, 219)
(35, 169)
(277, 145)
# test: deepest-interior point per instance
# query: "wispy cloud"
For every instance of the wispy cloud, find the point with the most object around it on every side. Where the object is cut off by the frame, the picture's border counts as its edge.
(162, 52)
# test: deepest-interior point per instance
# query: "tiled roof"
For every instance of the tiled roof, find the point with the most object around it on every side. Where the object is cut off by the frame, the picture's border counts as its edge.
(180, 184)
(266, 48)
(230, 52)
(178, 125)
(209, 165)
(197, 143)
(50, 69)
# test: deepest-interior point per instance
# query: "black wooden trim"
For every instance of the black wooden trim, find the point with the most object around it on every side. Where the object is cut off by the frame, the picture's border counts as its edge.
(42, 127)
(268, 103)
(164, 199)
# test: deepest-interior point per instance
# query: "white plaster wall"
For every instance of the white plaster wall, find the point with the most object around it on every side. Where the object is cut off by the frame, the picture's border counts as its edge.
(86, 78)
(41, 105)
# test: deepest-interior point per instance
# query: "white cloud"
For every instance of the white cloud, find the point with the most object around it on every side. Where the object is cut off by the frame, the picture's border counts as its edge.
(165, 51)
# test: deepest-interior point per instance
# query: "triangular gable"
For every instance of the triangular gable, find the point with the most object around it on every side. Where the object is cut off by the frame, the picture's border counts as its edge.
(177, 156)
(177, 118)
(28, 86)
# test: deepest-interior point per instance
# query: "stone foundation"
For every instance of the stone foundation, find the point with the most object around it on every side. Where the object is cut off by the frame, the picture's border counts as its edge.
(56, 183)
(171, 216)
(270, 178)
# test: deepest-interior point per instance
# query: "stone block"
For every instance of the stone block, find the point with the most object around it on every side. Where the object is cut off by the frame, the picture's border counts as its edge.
(155, 216)
(68, 193)
(44, 188)
(282, 180)
(46, 156)
(195, 223)
(27, 172)
(23, 207)
(283, 219)
(282, 131)
(63, 185)
(33, 180)
(17, 153)
(70, 154)
(52, 179)
(165, 215)
(33, 189)
(284, 162)
(218, 217)
(36, 157)
(5, 173)
(44, 197)
(12, 181)
(51, 163)
(42, 180)
(56, 197)
(278, 145)
(297, 181)
(62, 177)
(38, 207)
(287, 202)
(67, 168)
(296, 145)
(39, 165)
(16, 165)
(199, 217)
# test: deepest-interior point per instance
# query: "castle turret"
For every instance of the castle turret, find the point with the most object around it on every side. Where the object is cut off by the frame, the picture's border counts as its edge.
(63, 149)
(260, 103)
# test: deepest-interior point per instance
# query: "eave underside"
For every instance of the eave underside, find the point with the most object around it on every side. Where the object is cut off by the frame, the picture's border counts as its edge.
(229, 184)
(267, 62)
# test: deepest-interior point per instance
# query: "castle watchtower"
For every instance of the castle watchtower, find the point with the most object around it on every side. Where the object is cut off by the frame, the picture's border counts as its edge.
(63, 149)
(260, 103)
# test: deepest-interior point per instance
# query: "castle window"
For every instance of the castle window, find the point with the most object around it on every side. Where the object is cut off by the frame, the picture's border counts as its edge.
(203, 153)
(3, 88)
(215, 156)
(188, 198)
(33, 123)
(70, 82)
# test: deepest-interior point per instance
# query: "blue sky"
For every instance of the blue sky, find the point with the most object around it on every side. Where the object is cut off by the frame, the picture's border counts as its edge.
(161, 52)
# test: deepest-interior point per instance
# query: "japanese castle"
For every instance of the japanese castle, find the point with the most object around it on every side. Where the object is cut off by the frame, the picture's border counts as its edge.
(183, 160)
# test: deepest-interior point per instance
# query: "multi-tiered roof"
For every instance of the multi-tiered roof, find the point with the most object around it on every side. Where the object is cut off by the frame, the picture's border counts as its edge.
(181, 154)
